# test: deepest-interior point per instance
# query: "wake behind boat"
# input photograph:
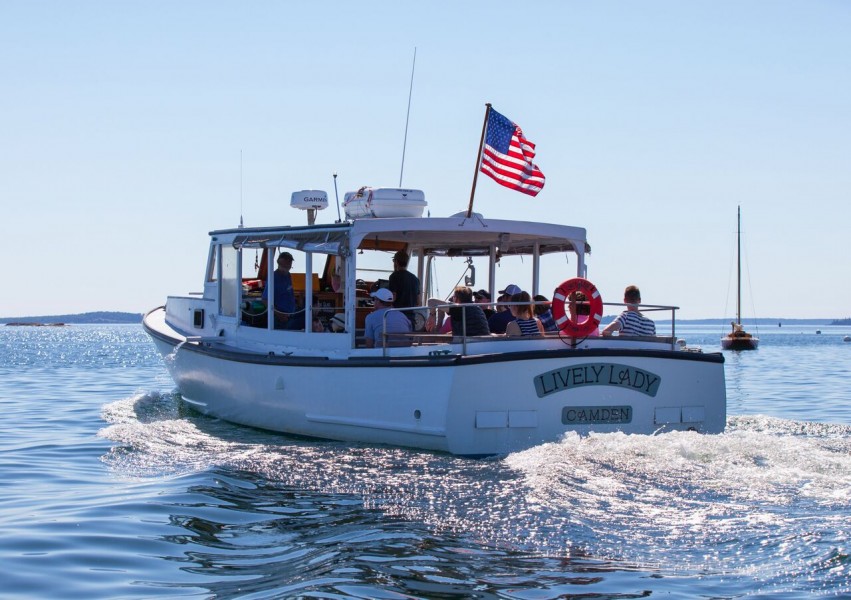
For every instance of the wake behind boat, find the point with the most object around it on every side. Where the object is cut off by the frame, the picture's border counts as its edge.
(464, 394)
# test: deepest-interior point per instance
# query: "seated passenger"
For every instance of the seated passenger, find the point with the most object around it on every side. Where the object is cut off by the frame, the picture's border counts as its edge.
(503, 315)
(484, 297)
(545, 313)
(338, 323)
(580, 311)
(471, 316)
(374, 326)
(631, 321)
(525, 323)
(435, 320)
(446, 326)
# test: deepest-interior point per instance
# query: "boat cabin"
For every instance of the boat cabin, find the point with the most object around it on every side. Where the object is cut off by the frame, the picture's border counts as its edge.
(337, 265)
(344, 262)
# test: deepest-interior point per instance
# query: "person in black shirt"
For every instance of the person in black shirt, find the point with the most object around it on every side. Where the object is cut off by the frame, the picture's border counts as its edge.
(404, 284)
(484, 297)
(503, 316)
(472, 316)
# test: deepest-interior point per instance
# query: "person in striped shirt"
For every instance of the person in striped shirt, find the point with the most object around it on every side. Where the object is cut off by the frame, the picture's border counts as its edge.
(631, 321)
(524, 323)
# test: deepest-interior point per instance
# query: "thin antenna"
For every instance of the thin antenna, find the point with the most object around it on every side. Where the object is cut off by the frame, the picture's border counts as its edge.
(240, 188)
(339, 220)
(408, 117)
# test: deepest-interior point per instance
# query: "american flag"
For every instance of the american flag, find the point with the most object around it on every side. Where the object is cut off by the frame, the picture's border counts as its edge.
(507, 156)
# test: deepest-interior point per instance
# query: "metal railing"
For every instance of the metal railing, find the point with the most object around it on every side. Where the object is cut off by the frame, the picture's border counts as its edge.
(444, 308)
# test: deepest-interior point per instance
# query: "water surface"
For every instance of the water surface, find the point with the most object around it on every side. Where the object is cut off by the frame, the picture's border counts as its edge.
(112, 488)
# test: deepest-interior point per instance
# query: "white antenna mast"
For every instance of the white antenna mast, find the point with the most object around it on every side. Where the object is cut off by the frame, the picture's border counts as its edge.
(339, 220)
(240, 188)
(408, 117)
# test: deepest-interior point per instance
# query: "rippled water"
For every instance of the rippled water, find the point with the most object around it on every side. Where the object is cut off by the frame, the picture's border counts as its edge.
(111, 488)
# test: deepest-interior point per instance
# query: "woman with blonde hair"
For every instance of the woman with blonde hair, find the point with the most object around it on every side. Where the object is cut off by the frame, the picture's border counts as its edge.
(524, 323)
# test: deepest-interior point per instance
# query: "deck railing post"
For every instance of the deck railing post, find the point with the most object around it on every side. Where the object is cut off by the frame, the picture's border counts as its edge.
(673, 328)
(384, 333)
(464, 330)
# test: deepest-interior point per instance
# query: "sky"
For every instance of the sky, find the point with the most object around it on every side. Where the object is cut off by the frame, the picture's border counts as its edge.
(129, 130)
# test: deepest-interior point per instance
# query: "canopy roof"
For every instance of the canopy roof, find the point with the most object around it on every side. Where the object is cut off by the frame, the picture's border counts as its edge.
(450, 236)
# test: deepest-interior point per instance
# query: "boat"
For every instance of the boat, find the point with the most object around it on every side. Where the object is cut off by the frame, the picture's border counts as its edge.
(383, 203)
(738, 338)
(464, 395)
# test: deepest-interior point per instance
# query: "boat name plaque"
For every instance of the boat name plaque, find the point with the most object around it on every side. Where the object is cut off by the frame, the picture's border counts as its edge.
(614, 374)
(596, 415)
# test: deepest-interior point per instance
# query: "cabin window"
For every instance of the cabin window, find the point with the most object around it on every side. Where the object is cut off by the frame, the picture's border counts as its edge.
(212, 272)
(229, 285)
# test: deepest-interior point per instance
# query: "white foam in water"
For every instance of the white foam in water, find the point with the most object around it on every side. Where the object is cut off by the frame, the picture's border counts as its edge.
(678, 494)
(158, 439)
(752, 502)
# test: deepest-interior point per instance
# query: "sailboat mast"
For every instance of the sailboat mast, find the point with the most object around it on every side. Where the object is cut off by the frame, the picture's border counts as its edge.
(739, 266)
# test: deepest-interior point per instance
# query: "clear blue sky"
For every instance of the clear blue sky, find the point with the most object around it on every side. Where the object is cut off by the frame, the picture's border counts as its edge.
(122, 125)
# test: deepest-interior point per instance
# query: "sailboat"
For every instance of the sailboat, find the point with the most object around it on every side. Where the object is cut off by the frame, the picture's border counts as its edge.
(738, 338)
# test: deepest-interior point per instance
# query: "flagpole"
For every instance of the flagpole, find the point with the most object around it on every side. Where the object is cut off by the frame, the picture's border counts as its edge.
(478, 160)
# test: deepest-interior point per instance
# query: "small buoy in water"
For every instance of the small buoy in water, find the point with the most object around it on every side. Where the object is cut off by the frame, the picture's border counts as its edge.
(847, 338)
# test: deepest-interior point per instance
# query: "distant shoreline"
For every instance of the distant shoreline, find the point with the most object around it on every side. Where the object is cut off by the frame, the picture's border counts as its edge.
(101, 317)
(759, 322)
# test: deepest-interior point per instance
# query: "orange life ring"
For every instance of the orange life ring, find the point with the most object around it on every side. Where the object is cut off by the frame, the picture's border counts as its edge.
(560, 298)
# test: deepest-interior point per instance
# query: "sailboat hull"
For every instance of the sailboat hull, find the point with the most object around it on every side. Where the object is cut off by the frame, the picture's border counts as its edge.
(739, 342)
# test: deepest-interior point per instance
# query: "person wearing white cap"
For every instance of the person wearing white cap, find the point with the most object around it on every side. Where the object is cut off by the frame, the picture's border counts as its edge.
(395, 322)
(503, 316)
(338, 322)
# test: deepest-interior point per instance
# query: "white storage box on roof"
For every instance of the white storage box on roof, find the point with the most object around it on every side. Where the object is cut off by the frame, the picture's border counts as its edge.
(370, 202)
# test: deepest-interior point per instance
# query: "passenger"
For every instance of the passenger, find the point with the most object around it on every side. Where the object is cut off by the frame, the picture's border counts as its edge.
(446, 326)
(503, 315)
(374, 326)
(286, 316)
(631, 321)
(473, 316)
(404, 284)
(525, 323)
(580, 311)
(545, 313)
(484, 297)
(338, 323)
(318, 326)
(435, 318)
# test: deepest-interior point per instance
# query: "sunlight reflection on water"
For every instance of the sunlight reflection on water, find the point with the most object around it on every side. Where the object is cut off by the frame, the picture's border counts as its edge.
(118, 490)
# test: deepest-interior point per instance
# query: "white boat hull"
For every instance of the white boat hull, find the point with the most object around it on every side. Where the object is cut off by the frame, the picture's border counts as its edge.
(459, 404)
